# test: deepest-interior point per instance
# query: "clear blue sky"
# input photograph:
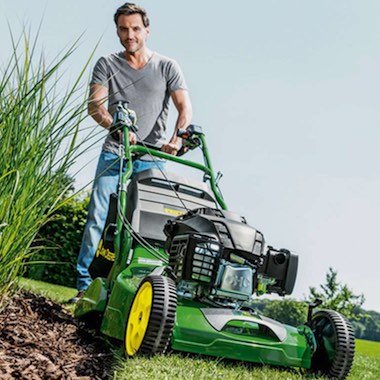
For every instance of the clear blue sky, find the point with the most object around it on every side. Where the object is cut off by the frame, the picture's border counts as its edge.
(288, 93)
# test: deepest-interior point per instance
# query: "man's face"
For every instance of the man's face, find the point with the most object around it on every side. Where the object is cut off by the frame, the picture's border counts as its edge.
(132, 32)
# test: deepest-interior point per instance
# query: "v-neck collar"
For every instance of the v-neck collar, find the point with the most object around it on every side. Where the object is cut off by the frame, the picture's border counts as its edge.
(133, 68)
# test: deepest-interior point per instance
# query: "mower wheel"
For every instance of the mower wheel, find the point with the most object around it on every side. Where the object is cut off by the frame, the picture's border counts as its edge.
(151, 317)
(335, 344)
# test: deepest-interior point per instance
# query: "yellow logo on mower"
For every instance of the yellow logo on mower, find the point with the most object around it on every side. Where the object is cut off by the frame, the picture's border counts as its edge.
(174, 212)
(104, 252)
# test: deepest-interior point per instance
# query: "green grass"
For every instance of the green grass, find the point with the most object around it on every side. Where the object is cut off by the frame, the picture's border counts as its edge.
(181, 366)
(371, 349)
(367, 360)
(365, 367)
(56, 293)
(177, 366)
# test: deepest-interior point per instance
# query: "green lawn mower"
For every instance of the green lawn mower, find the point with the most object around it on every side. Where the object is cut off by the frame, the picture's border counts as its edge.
(175, 268)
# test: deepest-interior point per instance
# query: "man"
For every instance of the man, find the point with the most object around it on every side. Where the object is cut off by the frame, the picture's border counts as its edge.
(147, 80)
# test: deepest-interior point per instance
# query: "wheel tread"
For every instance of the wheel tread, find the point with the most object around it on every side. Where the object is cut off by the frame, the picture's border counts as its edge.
(341, 364)
(162, 316)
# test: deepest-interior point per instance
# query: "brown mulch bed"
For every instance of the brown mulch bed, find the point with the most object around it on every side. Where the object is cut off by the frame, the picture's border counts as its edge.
(40, 340)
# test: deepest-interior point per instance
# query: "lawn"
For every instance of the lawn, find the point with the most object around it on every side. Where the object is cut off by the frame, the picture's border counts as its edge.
(174, 365)
(371, 349)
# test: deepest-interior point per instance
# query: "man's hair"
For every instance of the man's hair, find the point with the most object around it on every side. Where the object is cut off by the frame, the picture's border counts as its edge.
(131, 9)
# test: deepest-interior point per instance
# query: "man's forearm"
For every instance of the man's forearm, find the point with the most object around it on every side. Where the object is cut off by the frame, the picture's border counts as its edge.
(100, 114)
(183, 120)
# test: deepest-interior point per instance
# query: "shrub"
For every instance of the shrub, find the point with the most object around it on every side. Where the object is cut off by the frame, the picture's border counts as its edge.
(61, 238)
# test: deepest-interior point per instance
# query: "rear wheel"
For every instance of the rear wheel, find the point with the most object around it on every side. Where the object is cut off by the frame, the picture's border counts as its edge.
(151, 318)
(335, 344)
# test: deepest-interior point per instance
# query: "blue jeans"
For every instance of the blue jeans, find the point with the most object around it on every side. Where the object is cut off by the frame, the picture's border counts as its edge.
(105, 183)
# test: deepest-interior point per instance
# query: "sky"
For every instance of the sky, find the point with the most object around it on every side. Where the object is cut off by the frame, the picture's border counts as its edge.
(288, 94)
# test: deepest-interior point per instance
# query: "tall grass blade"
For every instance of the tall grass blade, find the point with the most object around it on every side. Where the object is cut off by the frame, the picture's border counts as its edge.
(39, 129)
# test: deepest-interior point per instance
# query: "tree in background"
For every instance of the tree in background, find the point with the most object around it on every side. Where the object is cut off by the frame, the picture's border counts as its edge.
(334, 296)
(287, 311)
(368, 326)
(338, 297)
(371, 323)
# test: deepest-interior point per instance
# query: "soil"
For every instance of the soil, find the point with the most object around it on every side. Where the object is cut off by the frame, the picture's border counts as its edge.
(40, 340)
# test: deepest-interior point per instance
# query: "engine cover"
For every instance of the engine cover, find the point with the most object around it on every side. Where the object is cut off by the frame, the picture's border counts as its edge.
(226, 227)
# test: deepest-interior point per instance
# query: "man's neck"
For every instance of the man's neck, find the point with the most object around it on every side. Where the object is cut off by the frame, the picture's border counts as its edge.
(138, 59)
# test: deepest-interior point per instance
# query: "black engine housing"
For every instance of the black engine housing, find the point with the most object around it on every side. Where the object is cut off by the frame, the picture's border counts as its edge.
(201, 240)
(226, 227)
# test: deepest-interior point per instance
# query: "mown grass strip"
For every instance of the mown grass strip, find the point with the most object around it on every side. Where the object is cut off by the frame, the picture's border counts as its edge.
(56, 293)
(368, 348)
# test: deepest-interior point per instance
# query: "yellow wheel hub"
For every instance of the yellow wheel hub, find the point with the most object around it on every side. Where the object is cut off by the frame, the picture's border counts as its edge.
(138, 318)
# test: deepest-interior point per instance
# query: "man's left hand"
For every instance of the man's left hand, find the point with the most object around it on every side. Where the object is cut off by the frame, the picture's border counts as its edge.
(171, 148)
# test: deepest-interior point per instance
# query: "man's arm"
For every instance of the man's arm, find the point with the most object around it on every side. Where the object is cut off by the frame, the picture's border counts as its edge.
(97, 110)
(182, 103)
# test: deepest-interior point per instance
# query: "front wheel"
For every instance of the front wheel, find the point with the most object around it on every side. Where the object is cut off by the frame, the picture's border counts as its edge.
(335, 344)
(151, 317)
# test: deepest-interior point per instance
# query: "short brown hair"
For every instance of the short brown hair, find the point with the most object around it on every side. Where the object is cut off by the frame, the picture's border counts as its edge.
(131, 9)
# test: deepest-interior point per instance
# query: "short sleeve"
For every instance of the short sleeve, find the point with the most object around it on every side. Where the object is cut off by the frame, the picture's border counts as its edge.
(100, 73)
(175, 79)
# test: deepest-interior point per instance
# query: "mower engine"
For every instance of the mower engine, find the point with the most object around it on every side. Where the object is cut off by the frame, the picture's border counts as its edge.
(215, 254)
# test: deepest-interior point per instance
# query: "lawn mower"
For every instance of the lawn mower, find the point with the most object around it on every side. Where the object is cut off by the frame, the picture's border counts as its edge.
(175, 268)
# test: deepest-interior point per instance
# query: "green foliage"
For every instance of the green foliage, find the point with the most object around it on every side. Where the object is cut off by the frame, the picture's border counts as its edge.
(368, 326)
(60, 238)
(287, 311)
(39, 123)
(338, 297)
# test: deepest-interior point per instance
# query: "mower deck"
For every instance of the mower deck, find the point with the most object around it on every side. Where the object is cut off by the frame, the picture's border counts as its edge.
(238, 335)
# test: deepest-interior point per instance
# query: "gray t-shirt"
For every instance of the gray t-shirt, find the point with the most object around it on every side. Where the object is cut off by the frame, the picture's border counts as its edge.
(147, 91)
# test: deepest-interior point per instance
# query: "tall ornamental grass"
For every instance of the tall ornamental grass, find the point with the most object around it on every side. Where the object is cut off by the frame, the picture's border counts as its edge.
(39, 124)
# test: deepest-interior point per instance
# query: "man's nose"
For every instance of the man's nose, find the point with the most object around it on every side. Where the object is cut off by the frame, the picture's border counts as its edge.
(130, 33)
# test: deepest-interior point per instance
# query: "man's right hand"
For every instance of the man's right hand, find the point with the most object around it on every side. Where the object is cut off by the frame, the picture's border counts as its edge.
(132, 138)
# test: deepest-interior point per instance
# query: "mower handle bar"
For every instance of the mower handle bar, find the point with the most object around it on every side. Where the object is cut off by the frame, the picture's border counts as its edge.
(180, 152)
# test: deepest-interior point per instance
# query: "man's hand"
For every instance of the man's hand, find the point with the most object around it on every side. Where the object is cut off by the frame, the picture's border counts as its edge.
(132, 137)
(171, 148)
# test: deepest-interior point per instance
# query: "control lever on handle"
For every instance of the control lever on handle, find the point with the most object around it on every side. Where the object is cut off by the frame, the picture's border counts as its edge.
(123, 116)
(190, 137)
